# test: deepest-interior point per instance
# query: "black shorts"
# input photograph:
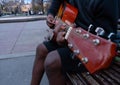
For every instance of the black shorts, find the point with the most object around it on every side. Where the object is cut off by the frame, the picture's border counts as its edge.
(68, 64)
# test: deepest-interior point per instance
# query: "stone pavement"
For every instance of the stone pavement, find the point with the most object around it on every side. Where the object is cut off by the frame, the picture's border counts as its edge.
(21, 37)
(18, 42)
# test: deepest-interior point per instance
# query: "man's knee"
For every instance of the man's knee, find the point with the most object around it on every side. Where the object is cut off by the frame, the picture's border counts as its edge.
(53, 61)
(41, 50)
(41, 47)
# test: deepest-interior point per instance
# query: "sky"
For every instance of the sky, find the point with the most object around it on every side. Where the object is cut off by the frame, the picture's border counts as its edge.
(27, 1)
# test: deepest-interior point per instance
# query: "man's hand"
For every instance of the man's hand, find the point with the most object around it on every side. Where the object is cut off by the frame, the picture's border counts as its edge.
(50, 21)
(61, 38)
(60, 31)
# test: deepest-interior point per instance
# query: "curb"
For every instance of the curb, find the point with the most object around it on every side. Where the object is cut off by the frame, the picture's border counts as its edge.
(22, 19)
(16, 55)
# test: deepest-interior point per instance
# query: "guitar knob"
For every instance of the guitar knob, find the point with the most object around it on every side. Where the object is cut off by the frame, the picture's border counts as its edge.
(78, 31)
(70, 45)
(86, 36)
(96, 41)
(76, 52)
(84, 60)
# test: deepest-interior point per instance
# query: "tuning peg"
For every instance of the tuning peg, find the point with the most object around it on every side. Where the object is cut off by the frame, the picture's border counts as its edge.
(100, 31)
(96, 41)
(70, 45)
(79, 64)
(73, 56)
(111, 36)
(90, 27)
(88, 73)
(86, 36)
(76, 51)
(84, 60)
(78, 31)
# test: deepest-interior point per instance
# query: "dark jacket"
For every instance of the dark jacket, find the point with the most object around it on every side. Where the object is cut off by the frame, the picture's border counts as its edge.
(100, 13)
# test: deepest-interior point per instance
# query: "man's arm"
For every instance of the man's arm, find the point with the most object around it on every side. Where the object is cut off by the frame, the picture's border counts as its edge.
(55, 7)
(52, 12)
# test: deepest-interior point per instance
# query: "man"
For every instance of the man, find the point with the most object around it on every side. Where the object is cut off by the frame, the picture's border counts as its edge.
(55, 58)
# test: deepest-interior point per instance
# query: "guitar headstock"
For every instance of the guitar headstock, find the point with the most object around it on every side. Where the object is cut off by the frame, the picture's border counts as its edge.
(92, 50)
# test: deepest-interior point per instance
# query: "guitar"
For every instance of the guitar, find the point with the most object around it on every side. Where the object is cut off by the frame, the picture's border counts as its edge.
(66, 12)
(95, 52)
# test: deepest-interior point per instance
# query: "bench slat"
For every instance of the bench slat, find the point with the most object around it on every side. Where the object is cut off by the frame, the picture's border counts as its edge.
(90, 79)
(114, 73)
(108, 79)
(101, 80)
(75, 80)
(110, 76)
(116, 79)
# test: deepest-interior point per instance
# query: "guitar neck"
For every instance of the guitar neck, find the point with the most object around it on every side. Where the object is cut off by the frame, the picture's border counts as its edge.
(65, 24)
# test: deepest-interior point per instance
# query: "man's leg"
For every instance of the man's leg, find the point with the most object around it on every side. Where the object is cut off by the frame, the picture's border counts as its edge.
(53, 69)
(38, 68)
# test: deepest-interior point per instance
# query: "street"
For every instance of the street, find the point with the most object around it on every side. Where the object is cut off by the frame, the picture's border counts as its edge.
(18, 42)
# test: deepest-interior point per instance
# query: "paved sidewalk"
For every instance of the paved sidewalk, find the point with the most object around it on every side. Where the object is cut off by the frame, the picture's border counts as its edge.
(18, 42)
(21, 37)
(18, 71)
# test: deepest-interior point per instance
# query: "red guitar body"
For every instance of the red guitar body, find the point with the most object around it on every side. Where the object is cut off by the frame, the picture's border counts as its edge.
(68, 12)
(94, 55)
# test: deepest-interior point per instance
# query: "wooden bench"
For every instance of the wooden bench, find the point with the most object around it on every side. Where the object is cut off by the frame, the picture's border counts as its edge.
(110, 76)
